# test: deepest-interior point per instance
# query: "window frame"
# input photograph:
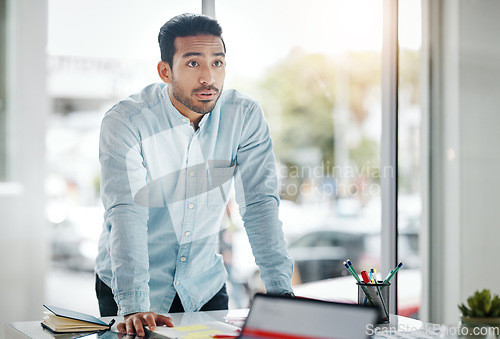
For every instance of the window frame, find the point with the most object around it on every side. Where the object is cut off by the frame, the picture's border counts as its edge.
(389, 144)
(3, 92)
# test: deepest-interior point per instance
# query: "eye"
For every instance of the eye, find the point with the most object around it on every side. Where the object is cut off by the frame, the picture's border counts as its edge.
(192, 63)
(218, 63)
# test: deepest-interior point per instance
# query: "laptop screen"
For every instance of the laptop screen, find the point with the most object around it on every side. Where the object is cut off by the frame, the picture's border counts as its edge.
(273, 316)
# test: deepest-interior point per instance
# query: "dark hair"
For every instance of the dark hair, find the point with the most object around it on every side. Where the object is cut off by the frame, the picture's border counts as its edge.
(185, 25)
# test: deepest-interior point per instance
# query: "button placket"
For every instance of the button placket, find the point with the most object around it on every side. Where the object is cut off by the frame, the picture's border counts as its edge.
(190, 212)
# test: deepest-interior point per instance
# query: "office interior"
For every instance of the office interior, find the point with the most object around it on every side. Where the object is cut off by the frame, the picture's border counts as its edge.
(460, 161)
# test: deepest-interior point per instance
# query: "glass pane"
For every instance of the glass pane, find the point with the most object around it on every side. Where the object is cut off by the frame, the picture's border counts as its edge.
(315, 68)
(91, 67)
(409, 201)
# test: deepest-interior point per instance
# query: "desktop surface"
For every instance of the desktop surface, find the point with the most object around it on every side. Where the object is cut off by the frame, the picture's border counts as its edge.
(33, 329)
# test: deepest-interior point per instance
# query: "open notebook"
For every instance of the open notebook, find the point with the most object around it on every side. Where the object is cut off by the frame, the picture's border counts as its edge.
(61, 320)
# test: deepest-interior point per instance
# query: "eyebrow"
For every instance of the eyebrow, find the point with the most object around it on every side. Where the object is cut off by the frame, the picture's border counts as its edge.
(190, 54)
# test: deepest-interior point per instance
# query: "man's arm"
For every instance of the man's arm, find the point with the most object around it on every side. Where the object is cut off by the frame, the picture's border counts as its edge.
(122, 174)
(257, 196)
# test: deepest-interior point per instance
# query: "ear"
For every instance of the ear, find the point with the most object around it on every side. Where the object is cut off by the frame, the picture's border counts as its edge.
(165, 72)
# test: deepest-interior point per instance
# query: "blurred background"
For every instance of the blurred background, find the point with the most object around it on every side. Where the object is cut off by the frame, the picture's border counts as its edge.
(318, 79)
(315, 67)
(317, 73)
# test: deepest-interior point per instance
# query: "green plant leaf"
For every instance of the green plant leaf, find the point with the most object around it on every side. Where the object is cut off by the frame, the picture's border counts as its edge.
(465, 311)
(482, 304)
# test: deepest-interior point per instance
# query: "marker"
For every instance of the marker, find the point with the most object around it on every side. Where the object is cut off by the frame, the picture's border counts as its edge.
(365, 277)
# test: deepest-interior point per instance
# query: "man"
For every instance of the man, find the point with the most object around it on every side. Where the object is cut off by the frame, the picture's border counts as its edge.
(169, 155)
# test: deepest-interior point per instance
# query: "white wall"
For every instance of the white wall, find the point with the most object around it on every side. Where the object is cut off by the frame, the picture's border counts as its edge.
(464, 115)
(23, 245)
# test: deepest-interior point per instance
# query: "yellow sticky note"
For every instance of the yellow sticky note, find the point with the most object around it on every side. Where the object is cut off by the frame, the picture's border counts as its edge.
(192, 328)
(201, 334)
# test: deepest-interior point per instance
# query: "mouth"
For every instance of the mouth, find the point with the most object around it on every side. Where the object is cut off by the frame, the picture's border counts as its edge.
(206, 94)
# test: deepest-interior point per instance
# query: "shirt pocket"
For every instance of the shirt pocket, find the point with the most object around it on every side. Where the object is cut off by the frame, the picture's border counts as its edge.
(220, 176)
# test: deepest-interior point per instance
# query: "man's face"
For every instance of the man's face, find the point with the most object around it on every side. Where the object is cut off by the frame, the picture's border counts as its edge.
(197, 73)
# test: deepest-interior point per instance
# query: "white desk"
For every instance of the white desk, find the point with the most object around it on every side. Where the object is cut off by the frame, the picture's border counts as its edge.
(33, 329)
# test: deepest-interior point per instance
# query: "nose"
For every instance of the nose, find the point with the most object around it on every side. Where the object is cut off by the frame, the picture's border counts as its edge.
(207, 75)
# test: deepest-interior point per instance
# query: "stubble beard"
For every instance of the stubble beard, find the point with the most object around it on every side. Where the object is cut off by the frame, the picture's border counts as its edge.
(200, 107)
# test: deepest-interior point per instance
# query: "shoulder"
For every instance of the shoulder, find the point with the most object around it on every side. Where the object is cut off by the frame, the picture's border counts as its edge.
(148, 98)
(234, 102)
(133, 113)
(232, 97)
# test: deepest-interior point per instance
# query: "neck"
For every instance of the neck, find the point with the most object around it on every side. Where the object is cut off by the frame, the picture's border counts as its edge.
(194, 117)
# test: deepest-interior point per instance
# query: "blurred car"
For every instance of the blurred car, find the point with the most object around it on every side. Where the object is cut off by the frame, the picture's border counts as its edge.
(319, 254)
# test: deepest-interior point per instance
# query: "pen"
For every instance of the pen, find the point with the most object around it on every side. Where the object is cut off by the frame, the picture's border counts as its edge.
(392, 273)
(351, 270)
(373, 279)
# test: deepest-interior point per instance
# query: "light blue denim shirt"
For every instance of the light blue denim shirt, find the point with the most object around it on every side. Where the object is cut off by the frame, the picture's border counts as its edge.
(165, 187)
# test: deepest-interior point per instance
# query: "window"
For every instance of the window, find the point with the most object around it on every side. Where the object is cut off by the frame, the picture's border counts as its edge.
(316, 69)
(87, 74)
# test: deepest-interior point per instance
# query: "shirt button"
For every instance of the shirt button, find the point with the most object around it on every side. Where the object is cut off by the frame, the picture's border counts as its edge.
(191, 206)
(183, 258)
(184, 120)
(177, 282)
(191, 173)
(187, 234)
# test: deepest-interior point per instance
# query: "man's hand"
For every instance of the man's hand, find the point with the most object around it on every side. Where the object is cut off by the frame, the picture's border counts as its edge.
(135, 322)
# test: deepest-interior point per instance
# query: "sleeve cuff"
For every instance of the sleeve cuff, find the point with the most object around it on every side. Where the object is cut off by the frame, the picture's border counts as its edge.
(279, 287)
(132, 302)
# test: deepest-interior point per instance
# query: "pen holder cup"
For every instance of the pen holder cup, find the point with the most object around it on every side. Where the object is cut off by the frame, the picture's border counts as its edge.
(375, 294)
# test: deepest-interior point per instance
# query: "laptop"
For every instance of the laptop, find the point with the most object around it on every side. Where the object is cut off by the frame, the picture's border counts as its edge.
(275, 316)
